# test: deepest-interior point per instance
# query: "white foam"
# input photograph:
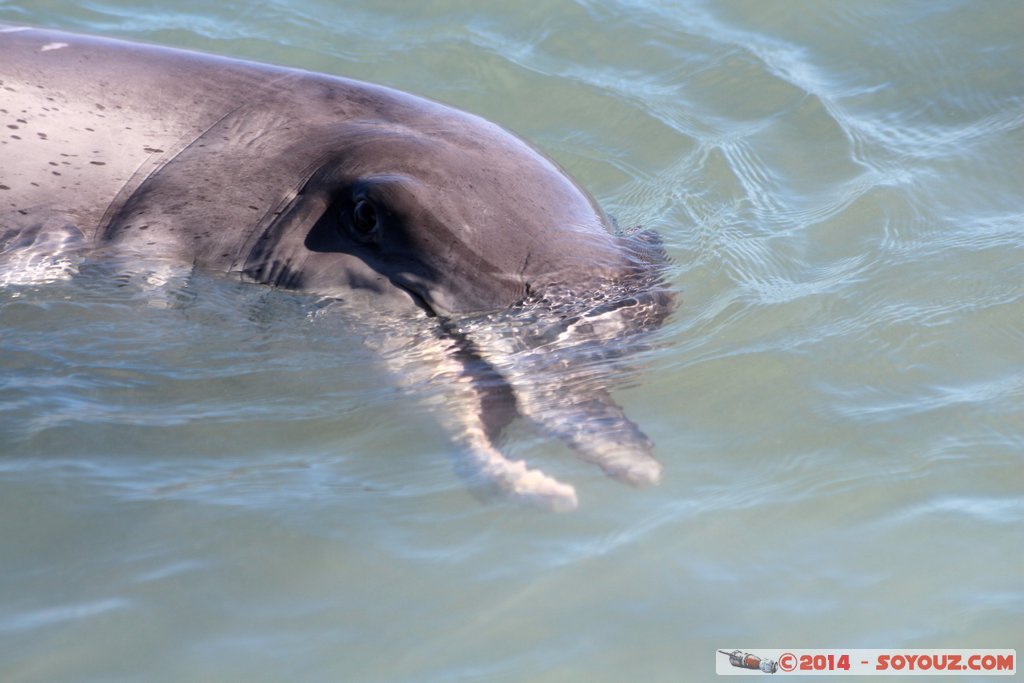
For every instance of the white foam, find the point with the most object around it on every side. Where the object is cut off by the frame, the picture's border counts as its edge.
(51, 256)
(32, 268)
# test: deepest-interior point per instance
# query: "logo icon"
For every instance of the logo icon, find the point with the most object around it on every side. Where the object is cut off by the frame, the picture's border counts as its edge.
(745, 660)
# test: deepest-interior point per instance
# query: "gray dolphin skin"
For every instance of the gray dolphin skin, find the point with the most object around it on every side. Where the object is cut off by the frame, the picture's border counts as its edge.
(344, 189)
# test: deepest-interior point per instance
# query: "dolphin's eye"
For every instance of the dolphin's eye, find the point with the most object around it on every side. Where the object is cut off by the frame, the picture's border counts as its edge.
(364, 217)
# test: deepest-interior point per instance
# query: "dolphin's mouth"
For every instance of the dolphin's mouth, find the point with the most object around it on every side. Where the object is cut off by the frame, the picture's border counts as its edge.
(420, 300)
(429, 295)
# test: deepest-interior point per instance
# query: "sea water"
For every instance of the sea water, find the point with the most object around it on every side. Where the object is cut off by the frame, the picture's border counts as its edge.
(207, 481)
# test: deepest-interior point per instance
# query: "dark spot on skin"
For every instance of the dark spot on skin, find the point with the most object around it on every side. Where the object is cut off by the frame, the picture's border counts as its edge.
(42, 136)
(100, 107)
(12, 126)
(152, 150)
(53, 163)
(91, 130)
(34, 184)
(254, 208)
(143, 227)
(4, 187)
(16, 137)
(98, 163)
(54, 172)
(21, 120)
(23, 212)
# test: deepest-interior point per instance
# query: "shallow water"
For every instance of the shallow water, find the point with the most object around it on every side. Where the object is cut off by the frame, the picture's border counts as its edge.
(211, 481)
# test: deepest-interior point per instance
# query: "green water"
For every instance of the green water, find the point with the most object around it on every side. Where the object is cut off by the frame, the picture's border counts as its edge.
(234, 490)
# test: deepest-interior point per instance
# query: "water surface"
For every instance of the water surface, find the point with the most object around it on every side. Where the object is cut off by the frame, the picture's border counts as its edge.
(219, 482)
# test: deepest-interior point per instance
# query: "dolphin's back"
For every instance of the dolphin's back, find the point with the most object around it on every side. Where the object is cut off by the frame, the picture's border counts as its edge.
(84, 120)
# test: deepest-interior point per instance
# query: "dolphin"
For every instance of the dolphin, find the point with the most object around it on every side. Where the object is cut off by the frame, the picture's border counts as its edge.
(344, 189)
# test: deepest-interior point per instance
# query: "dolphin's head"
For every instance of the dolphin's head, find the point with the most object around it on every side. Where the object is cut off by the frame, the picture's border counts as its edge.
(444, 209)
(418, 204)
